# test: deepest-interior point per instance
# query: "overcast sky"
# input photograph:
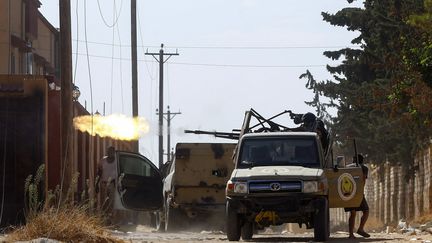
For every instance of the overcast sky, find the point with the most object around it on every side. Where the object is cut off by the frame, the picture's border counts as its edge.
(234, 55)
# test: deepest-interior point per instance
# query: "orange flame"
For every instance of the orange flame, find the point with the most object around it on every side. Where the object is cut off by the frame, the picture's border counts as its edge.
(115, 126)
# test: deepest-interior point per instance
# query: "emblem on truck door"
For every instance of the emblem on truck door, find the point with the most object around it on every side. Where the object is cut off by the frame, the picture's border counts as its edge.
(275, 186)
(347, 186)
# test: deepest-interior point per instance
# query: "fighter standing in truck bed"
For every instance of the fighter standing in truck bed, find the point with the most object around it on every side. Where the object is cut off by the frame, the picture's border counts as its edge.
(310, 123)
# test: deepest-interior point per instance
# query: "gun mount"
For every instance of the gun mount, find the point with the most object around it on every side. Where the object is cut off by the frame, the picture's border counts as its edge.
(255, 123)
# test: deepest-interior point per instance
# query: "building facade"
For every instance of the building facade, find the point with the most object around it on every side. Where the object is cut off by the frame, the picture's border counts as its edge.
(30, 112)
(28, 42)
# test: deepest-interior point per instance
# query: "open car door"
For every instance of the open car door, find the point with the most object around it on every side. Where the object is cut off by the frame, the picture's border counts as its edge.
(139, 183)
(346, 186)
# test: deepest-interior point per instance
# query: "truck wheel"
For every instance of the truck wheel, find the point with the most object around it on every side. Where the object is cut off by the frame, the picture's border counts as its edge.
(247, 231)
(232, 223)
(321, 220)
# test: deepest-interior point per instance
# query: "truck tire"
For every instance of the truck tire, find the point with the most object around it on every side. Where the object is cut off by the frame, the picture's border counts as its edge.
(247, 230)
(233, 228)
(321, 220)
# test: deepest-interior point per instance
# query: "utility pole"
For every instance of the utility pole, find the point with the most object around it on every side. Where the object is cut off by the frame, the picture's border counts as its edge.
(134, 66)
(161, 62)
(66, 89)
(169, 118)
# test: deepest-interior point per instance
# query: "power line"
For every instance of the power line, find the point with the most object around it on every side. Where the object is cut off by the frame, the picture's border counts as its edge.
(169, 116)
(230, 47)
(112, 58)
(77, 42)
(152, 79)
(224, 47)
(245, 65)
(88, 61)
(214, 64)
(121, 69)
(115, 17)
(142, 41)
(161, 60)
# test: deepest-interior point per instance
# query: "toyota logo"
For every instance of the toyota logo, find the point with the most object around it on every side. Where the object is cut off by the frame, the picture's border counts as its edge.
(275, 186)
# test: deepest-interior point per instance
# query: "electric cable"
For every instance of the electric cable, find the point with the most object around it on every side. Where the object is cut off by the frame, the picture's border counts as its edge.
(4, 161)
(115, 18)
(121, 69)
(246, 66)
(230, 47)
(91, 143)
(77, 42)
(112, 60)
(142, 41)
(88, 64)
(152, 79)
(215, 64)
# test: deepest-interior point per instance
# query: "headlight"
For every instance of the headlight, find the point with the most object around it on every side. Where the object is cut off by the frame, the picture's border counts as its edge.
(314, 186)
(310, 186)
(237, 187)
(240, 187)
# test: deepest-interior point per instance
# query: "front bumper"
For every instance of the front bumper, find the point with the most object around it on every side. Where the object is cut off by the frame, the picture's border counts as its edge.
(293, 208)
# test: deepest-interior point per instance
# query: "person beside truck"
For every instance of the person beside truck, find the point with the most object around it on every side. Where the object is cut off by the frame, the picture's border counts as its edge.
(364, 207)
(106, 183)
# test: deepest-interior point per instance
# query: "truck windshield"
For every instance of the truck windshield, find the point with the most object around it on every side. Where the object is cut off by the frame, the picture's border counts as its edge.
(279, 151)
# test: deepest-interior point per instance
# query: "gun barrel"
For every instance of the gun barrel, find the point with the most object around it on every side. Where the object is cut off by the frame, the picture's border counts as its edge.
(227, 135)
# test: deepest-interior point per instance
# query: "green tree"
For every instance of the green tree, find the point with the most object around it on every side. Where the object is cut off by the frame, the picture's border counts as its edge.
(382, 89)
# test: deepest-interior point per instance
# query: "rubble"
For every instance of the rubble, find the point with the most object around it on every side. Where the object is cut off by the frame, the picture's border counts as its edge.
(414, 229)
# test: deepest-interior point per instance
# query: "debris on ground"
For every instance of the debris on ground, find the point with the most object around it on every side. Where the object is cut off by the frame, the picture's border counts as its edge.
(414, 229)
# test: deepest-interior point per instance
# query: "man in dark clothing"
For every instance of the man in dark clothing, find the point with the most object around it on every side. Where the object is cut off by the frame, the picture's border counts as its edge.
(310, 123)
(364, 207)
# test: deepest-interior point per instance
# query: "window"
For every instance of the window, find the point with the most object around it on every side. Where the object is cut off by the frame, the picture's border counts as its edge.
(29, 59)
(29, 63)
(131, 165)
(279, 151)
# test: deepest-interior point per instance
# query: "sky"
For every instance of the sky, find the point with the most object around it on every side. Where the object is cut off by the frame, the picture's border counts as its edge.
(233, 55)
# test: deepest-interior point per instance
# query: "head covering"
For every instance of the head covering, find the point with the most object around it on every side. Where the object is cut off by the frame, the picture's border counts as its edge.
(308, 118)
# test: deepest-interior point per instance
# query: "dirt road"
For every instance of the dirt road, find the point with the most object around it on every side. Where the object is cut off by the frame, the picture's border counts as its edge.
(145, 234)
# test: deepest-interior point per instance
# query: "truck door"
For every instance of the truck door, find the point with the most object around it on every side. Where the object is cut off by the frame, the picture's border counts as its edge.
(139, 183)
(346, 186)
